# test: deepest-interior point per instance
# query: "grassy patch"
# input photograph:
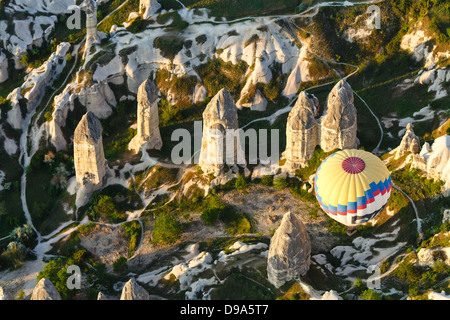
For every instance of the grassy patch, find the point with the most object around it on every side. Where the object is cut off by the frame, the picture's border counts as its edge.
(217, 74)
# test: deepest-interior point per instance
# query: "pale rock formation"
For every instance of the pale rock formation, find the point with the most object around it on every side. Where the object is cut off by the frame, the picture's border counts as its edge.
(420, 45)
(199, 93)
(220, 120)
(150, 7)
(45, 290)
(147, 118)
(301, 132)
(28, 33)
(336, 129)
(426, 257)
(338, 124)
(438, 162)
(299, 74)
(4, 295)
(89, 158)
(446, 216)
(3, 67)
(35, 83)
(133, 291)
(90, 6)
(257, 103)
(41, 6)
(289, 252)
(101, 296)
(98, 98)
(409, 143)
(433, 161)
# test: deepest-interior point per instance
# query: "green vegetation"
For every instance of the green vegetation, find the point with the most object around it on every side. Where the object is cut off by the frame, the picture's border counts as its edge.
(120, 265)
(47, 177)
(419, 280)
(235, 222)
(169, 46)
(217, 74)
(415, 185)
(166, 230)
(132, 232)
(155, 177)
(95, 273)
(105, 208)
(230, 10)
(313, 164)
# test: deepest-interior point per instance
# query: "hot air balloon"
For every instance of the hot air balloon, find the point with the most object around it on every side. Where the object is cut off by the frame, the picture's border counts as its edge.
(352, 187)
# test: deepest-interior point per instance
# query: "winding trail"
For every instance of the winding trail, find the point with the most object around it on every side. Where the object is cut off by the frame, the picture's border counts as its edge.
(419, 221)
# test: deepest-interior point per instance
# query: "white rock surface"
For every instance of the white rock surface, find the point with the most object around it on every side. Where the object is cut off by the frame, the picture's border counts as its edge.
(3, 67)
(150, 7)
(147, 119)
(45, 290)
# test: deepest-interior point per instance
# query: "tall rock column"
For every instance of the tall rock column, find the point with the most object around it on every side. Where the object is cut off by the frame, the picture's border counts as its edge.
(147, 118)
(89, 157)
(410, 143)
(220, 123)
(301, 132)
(90, 6)
(289, 252)
(339, 122)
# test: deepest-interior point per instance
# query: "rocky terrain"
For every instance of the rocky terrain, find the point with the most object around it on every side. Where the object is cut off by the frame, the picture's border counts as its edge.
(88, 117)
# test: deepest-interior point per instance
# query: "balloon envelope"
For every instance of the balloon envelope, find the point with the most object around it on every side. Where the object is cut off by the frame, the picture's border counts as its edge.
(352, 186)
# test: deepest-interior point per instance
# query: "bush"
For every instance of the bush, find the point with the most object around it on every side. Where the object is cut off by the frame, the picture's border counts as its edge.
(267, 180)
(167, 230)
(280, 183)
(106, 208)
(370, 295)
(15, 253)
(241, 184)
(120, 265)
(209, 216)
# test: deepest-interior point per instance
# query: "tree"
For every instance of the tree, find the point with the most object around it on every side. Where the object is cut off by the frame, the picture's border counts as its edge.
(167, 230)
(120, 265)
(209, 216)
(15, 253)
(23, 234)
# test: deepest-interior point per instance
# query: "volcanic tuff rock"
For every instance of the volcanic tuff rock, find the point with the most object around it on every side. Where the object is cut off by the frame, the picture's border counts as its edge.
(3, 67)
(338, 124)
(290, 251)
(149, 7)
(4, 295)
(219, 120)
(133, 291)
(35, 83)
(90, 6)
(435, 162)
(147, 118)
(45, 290)
(301, 131)
(336, 129)
(409, 143)
(89, 158)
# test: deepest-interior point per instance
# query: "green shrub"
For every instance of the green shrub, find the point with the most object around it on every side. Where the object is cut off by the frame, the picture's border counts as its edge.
(120, 265)
(166, 230)
(280, 183)
(241, 184)
(370, 295)
(105, 207)
(209, 216)
(267, 180)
